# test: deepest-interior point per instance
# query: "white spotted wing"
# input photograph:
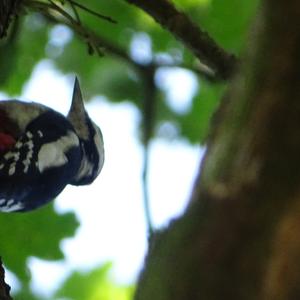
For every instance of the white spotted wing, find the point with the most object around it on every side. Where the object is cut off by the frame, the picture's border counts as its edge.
(21, 166)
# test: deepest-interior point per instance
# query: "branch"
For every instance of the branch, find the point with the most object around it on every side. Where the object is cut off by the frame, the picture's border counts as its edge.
(56, 12)
(92, 12)
(197, 40)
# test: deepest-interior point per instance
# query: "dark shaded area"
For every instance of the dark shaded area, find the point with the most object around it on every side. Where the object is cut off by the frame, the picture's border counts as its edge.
(4, 288)
(8, 10)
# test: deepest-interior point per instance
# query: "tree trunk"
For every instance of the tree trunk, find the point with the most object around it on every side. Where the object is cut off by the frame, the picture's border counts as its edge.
(240, 236)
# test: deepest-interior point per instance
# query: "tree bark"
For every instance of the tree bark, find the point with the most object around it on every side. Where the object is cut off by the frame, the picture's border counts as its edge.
(240, 236)
(193, 37)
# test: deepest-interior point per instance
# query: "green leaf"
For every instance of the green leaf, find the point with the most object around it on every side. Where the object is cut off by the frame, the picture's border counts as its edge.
(28, 50)
(228, 22)
(25, 293)
(106, 76)
(93, 285)
(125, 15)
(36, 233)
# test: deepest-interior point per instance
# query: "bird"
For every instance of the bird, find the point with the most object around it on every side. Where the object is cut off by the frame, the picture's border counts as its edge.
(42, 151)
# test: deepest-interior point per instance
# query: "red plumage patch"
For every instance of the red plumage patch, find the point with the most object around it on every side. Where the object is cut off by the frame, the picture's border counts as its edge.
(6, 142)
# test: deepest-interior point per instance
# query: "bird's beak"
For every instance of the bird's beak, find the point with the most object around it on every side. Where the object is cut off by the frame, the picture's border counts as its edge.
(77, 113)
(77, 106)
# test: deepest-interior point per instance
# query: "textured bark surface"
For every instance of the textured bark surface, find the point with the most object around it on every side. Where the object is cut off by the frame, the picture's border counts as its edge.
(239, 238)
(8, 10)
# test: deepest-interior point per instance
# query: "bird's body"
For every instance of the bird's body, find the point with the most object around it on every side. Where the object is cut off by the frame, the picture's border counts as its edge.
(41, 151)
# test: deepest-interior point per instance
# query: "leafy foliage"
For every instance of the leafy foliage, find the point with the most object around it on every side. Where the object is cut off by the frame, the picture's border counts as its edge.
(28, 49)
(117, 77)
(94, 285)
(36, 233)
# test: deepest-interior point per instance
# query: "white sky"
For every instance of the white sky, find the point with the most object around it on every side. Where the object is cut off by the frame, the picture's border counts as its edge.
(111, 209)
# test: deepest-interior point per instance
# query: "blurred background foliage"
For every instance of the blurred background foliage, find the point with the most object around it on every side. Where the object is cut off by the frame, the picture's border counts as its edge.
(135, 49)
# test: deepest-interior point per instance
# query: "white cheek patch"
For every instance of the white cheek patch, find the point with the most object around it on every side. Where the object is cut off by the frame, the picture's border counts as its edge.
(53, 154)
(98, 140)
(86, 169)
(50, 156)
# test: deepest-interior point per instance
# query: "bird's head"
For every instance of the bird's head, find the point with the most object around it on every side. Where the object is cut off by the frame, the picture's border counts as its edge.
(90, 138)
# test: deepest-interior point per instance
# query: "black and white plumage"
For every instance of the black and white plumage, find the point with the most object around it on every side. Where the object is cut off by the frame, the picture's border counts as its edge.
(41, 151)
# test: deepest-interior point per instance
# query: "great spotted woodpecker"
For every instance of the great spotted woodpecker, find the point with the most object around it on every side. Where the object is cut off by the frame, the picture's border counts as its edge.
(41, 151)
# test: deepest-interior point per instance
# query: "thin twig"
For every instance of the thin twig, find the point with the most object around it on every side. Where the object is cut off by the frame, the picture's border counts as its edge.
(146, 199)
(75, 13)
(75, 24)
(109, 19)
(149, 115)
